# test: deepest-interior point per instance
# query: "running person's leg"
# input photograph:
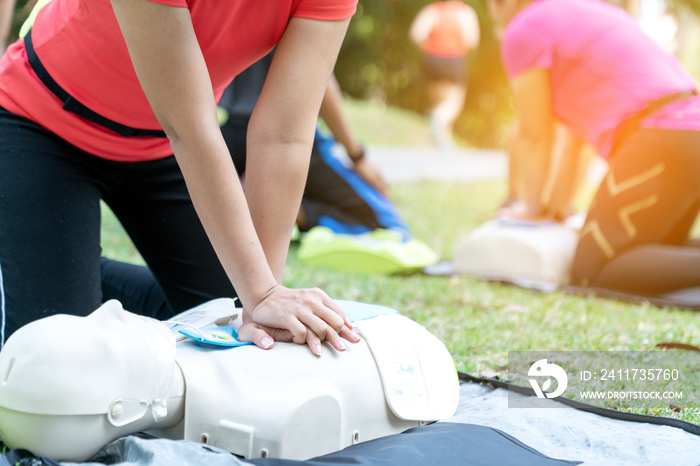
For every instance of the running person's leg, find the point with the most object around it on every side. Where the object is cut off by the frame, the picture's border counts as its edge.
(49, 226)
(635, 238)
(447, 92)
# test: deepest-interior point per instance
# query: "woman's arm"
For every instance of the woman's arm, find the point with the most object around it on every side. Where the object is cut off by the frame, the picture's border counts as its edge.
(533, 141)
(471, 32)
(7, 12)
(422, 25)
(282, 127)
(174, 77)
(567, 175)
(280, 137)
(333, 115)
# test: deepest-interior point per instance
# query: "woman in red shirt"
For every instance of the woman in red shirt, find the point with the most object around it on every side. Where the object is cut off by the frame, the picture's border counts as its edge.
(120, 77)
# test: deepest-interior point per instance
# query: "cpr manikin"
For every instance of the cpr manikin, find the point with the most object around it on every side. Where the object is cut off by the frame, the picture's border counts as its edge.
(530, 254)
(69, 385)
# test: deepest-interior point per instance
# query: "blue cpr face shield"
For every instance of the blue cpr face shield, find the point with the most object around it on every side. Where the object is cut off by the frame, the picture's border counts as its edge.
(219, 336)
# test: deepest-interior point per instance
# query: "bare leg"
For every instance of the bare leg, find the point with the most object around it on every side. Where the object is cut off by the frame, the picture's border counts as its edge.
(652, 269)
(447, 99)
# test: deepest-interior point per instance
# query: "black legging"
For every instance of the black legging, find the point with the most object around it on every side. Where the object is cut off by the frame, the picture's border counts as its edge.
(636, 235)
(50, 195)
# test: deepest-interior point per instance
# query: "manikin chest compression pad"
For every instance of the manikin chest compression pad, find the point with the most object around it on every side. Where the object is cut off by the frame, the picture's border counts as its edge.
(285, 402)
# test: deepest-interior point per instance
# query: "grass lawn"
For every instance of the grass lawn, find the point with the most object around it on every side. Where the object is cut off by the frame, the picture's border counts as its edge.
(481, 322)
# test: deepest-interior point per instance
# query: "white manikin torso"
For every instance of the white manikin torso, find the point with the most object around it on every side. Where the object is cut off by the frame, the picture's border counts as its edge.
(283, 402)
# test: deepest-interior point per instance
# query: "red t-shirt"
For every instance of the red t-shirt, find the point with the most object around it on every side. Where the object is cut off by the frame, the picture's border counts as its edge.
(80, 44)
(446, 38)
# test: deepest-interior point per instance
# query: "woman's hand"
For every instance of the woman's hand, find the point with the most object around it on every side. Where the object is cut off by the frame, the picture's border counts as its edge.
(512, 208)
(519, 210)
(371, 174)
(301, 316)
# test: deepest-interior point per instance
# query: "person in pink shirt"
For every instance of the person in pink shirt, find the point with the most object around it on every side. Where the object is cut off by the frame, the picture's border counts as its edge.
(115, 100)
(588, 65)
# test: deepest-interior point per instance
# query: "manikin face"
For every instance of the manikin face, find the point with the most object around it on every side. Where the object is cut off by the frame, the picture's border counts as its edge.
(86, 362)
(69, 385)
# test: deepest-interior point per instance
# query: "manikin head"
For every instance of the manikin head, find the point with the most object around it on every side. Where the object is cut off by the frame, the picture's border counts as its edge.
(110, 374)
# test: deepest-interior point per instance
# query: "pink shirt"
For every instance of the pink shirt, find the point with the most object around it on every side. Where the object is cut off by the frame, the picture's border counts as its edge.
(80, 44)
(602, 68)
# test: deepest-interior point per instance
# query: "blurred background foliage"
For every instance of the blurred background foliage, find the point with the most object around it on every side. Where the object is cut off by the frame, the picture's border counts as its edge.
(379, 62)
(692, 5)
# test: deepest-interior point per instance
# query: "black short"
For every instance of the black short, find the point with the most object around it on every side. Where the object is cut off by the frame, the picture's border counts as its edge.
(448, 69)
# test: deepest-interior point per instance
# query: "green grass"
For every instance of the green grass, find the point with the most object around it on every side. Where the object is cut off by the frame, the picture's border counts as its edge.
(481, 322)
